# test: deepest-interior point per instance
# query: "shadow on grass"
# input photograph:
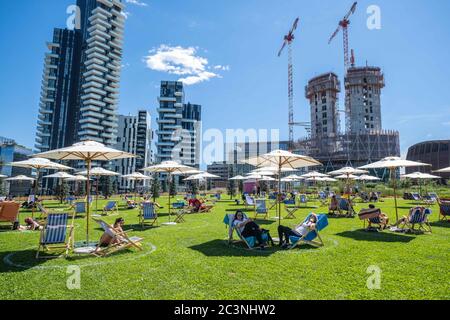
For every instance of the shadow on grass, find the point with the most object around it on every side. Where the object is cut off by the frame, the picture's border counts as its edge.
(440, 224)
(362, 235)
(241, 209)
(221, 248)
(23, 260)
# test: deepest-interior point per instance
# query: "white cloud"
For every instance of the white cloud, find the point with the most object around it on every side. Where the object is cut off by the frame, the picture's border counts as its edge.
(126, 14)
(223, 68)
(183, 62)
(137, 3)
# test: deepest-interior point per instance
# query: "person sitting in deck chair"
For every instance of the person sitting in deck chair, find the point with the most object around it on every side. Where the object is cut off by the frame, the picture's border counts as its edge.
(334, 205)
(249, 228)
(108, 239)
(382, 218)
(299, 231)
(199, 207)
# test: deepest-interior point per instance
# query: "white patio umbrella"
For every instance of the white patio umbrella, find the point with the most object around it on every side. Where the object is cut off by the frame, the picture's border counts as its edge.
(136, 177)
(420, 176)
(267, 179)
(20, 179)
(77, 178)
(98, 172)
(87, 151)
(445, 170)
(282, 159)
(2, 176)
(202, 177)
(347, 171)
(346, 177)
(169, 167)
(238, 178)
(366, 177)
(60, 176)
(392, 163)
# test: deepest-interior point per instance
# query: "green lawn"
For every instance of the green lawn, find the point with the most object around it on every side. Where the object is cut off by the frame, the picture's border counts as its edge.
(193, 261)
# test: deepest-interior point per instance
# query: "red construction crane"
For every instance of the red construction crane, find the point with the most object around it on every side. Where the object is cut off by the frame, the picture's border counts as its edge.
(343, 24)
(288, 39)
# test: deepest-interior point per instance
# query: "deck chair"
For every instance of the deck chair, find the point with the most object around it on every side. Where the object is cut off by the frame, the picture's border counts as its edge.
(250, 202)
(444, 210)
(373, 217)
(303, 199)
(273, 200)
(250, 242)
(323, 198)
(433, 196)
(9, 212)
(290, 210)
(345, 206)
(261, 209)
(44, 212)
(123, 241)
(111, 206)
(79, 208)
(417, 216)
(56, 235)
(148, 212)
(312, 238)
(181, 211)
(416, 197)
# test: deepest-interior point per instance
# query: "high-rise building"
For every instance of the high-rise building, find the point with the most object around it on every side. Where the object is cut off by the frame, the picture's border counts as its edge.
(323, 94)
(134, 136)
(10, 151)
(363, 87)
(178, 126)
(80, 86)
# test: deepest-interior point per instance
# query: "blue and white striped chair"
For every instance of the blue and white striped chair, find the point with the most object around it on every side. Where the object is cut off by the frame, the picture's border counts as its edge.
(111, 206)
(56, 234)
(261, 209)
(80, 207)
(304, 199)
(250, 202)
(148, 212)
(444, 209)
(417, 216)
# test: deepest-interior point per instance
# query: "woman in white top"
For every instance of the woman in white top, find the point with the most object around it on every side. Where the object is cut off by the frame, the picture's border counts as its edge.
(300, 230)
(248, 228)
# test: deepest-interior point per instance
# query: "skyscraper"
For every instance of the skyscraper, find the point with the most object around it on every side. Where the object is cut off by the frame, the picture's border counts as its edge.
(363, 87)
(80, 86)
(178, 126)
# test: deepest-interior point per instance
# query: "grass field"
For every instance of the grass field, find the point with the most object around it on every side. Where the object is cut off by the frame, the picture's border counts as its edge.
(193, 261)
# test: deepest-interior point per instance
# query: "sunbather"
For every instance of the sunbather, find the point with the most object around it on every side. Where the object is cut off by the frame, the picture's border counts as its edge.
(108, 238)
(299, 231)
(199, 206)
(248, 228)
(384, 219)
(30, 225)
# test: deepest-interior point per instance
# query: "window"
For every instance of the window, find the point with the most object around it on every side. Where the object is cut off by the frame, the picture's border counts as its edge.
(324, 108)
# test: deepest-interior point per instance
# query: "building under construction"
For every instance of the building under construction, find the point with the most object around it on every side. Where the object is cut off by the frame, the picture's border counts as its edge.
(364, 141)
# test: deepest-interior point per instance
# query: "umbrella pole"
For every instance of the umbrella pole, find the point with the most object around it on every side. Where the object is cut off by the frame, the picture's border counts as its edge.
(395, 193)
(88, 193)
(279, 195)
(96, 194)
(169, 177)
(35, 193)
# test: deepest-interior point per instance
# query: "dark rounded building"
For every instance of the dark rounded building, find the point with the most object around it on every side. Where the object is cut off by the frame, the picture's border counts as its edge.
(436, 153)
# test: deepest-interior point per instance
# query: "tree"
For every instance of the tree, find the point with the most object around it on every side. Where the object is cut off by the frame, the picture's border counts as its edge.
(155, 188)
(193, 187)
(62, 191)
(106, 185)
(82, 188)
(231, 189)
(164, 186)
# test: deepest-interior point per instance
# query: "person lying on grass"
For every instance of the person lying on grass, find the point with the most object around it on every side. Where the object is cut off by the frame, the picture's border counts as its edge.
(249, 228)
(30, 225)
(198, 206)
(109, 237)
(299, 231)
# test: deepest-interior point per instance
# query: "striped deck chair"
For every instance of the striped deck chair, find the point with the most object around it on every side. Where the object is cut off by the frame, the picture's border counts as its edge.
(373, 217)
(416, 197)
(444, 210)
(56, 234)
(433, 196)
(345, 205)
(121, 241)
(312, 237)
(148, 212)
(250, 242)
(303, 199)
(79, 208)
(111, 206)
(290, 210)
(250, 202)
(417, 216)
(44, 212)
(261, 209)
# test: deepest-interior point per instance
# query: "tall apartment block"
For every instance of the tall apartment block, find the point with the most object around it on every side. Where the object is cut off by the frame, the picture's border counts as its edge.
(363, 89)
(178, 126)
(134, 136)
(80, 88)
(323, 95)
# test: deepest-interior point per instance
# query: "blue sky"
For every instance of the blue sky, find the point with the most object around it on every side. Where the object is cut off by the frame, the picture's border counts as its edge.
(243, 36)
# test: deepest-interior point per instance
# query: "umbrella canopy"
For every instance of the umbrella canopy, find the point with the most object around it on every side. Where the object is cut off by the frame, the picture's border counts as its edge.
(60, 175)
(2, 176)
(202, 176)
(238, 178)
(267, 179)
(20, 178)
(99, 172)
(420, 175)
(347, 171)
(282, 159)
(87, 151)
(39, 163)
(77, 178)
(445, 170)
(347, 176)
(314, 174)
(273, 169)
(322, 179)
(393, 163)
(294, 177)
(366, 177)
(187, 173)
(263, 173)
(254, 176)
(137, 176)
